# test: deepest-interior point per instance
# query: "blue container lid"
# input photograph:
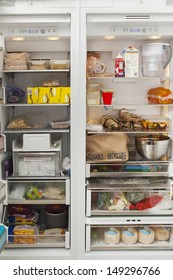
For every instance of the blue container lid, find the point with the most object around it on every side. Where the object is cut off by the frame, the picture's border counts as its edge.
(2, 228)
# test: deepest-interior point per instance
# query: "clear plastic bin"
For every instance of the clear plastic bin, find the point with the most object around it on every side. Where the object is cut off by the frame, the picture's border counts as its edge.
(36, 164)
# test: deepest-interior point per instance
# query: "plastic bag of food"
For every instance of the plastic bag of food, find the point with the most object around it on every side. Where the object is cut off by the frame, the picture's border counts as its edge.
(28, 120)
(14, 94)
(51, 81)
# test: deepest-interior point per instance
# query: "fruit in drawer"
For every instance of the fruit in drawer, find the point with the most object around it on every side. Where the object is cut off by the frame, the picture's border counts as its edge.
(146, 203)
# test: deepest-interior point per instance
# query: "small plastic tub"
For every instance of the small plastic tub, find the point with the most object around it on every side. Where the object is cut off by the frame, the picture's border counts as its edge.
(93, 98)
(155, 122)
(56, 216)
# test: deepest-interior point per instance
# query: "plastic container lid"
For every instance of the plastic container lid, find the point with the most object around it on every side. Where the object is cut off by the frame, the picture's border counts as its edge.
(155, 118)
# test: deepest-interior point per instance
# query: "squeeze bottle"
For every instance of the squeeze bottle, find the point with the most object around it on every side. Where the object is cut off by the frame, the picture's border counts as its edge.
(119, 66)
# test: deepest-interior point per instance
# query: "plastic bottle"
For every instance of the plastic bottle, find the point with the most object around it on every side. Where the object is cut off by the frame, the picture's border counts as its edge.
(119, 66)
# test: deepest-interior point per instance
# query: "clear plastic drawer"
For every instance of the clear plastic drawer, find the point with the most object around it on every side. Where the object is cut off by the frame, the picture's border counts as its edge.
(129, 196)
(36, 164)
(128, 237)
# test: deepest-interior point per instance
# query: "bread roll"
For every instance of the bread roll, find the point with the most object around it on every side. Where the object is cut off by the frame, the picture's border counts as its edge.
(146, 235)
(129, 235)
(112, 236)
(161, 233)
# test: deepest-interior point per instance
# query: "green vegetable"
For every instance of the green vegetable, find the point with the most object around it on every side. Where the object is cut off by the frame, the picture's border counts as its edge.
(103, 201)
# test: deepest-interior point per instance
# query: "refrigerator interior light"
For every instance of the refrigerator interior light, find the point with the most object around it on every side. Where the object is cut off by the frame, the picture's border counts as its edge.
(7, 2)
(154, 37)
(53, 38)
(18, 38)
(109, 37)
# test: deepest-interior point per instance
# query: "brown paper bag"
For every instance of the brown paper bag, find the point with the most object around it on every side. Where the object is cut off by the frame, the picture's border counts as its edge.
(111, 147)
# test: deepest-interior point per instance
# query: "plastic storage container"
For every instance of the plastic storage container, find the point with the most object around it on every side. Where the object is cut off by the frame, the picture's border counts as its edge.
(38, 64)
(126, 236)
(155, 122)
(56, 216)
(93, 98)
(60, 64)
(36, 142)
(3, 236)
(36, 164)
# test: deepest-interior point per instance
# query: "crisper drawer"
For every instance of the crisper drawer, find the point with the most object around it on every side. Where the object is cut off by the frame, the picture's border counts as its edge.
(128, 169)
(33, 228)
(38, 191)
(129, 236)
(36, 164)
(129, 196)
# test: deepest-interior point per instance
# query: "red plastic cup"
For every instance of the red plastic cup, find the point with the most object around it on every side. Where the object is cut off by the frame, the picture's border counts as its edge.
(107, 97)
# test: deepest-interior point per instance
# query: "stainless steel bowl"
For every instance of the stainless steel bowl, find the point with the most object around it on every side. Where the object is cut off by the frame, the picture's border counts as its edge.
(152, 147)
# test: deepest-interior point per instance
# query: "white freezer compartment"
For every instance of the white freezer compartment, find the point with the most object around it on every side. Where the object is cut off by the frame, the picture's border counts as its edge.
(129, 237)
(35, 232)
(131, 196)
(38, 191)
(128, 169)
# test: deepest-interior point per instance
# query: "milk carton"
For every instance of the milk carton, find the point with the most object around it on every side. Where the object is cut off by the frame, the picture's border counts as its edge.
(131, 58)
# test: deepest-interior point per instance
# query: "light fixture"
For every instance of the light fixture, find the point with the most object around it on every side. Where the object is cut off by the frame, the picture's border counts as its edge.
(18, 38)
(7, 2)
(154, 37)
(53, 38)
(109, 37)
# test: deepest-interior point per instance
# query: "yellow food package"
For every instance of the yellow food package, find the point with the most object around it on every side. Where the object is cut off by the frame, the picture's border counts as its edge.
(43, 95)
(54, 94)
(64, 95)
(32, 93)
(24, 229)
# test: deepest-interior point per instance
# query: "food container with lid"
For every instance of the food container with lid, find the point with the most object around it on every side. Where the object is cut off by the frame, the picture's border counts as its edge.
(38, 64)
(155, 122)
(93, 98)
(59, 64)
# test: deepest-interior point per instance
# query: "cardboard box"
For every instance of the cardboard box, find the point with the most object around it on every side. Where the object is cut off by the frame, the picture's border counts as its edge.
(59, 95)
(131, 57)
(64, 95)
(54, 95)
(32, 93)
(43, 95)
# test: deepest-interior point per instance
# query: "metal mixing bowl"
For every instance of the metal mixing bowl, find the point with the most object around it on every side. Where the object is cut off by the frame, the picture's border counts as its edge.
(152, 147)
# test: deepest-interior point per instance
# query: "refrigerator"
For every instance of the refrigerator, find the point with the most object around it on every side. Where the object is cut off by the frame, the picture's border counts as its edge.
(103, 218)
